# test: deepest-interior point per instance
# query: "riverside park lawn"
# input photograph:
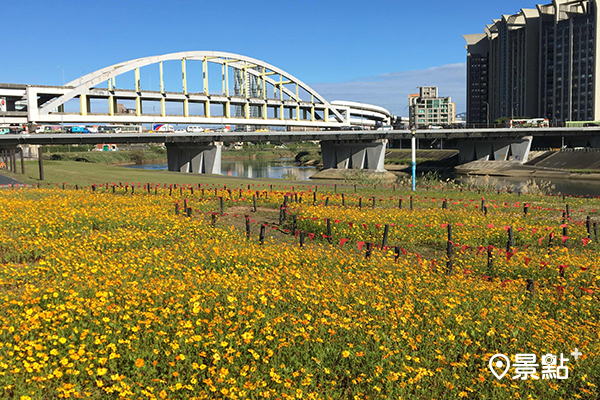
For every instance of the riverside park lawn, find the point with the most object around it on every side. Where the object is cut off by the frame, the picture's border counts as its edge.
(114, 295)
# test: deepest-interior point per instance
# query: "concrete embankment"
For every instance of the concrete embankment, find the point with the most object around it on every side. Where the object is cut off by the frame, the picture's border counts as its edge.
(577, 164)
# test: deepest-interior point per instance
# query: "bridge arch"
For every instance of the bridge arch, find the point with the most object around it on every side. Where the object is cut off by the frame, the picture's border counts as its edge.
(261, 70)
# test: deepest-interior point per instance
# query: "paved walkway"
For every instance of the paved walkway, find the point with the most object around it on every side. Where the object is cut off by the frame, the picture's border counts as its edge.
(5, 180)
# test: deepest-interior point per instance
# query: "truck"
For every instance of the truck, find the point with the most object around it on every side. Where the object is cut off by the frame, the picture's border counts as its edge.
(162, 128)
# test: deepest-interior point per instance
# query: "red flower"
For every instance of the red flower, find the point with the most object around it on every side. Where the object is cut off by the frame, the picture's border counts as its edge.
(587, 290)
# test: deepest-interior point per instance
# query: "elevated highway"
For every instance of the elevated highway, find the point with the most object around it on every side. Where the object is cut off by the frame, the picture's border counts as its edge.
(290, 136)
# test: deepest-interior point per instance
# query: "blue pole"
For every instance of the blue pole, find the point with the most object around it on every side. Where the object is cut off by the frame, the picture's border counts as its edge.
(414, 159)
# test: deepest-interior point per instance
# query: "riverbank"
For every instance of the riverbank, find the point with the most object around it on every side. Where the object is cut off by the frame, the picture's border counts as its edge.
(158, 154)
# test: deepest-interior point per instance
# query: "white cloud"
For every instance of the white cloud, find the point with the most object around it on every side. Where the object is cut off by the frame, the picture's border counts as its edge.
(391, 90)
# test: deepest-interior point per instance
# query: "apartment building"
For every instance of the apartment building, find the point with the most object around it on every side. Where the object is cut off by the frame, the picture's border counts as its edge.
(427, 109)
(537, 63)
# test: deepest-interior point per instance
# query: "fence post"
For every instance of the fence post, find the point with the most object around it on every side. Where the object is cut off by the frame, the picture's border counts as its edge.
(247, 227)
(396, 253)
(343, 200)
(314, 197)
(41, 163)
(566, 234)
(373, 205)
(588, 226)
(511, 240)
(213, 218)
(411, 202)
(399, 204)
(449, 247)
(568, 212)
(360, 203)
(525, 209)
(368, 252)
(301, 239)
(176, 208)
(485, 211)
(530, 286)
(261, 237)
(595, 230)
(386, 230)
(254, 202)
(281, 208)
(329, 230)
(189, 212)
(445, 205)
(490, 261)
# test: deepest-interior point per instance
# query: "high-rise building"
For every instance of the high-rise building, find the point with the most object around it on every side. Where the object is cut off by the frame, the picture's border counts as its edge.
(426, 108)
(249, 86)
(538, 63)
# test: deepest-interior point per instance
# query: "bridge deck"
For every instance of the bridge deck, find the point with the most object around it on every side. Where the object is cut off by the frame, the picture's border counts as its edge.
(369, 135)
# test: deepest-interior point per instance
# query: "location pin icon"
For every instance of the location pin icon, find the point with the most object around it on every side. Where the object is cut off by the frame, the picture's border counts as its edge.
(499, 362)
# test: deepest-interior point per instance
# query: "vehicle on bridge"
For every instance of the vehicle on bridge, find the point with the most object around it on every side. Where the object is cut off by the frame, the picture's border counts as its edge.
(528, 123)
(194, 129)
(77, 129)
(120, 129)
(50, 129)
(163, 128)
(4, 130)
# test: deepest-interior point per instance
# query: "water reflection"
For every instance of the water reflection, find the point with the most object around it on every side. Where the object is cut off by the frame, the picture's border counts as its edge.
(277, 169)
(572, 187)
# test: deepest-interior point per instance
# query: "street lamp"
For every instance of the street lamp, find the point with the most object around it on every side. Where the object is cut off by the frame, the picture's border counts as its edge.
(413, 144)
(487, 113)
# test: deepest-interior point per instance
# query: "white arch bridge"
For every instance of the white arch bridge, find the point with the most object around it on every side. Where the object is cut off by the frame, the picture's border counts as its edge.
(251, 93)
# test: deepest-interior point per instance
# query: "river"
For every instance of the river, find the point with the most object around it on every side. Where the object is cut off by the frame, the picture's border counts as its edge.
(277, 169)
(282, 168)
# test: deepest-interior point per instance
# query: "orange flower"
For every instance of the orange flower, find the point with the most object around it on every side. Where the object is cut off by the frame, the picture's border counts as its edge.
(139, 362)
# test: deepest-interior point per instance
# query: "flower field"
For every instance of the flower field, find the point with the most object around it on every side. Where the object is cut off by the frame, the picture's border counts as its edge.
(112, 294)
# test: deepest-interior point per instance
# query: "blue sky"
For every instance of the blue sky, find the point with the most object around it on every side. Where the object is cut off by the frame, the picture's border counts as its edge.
(377, 51)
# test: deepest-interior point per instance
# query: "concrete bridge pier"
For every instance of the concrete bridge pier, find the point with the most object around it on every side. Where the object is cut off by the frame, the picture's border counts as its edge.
(198, 159)
(353, 154)
(489, 149)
